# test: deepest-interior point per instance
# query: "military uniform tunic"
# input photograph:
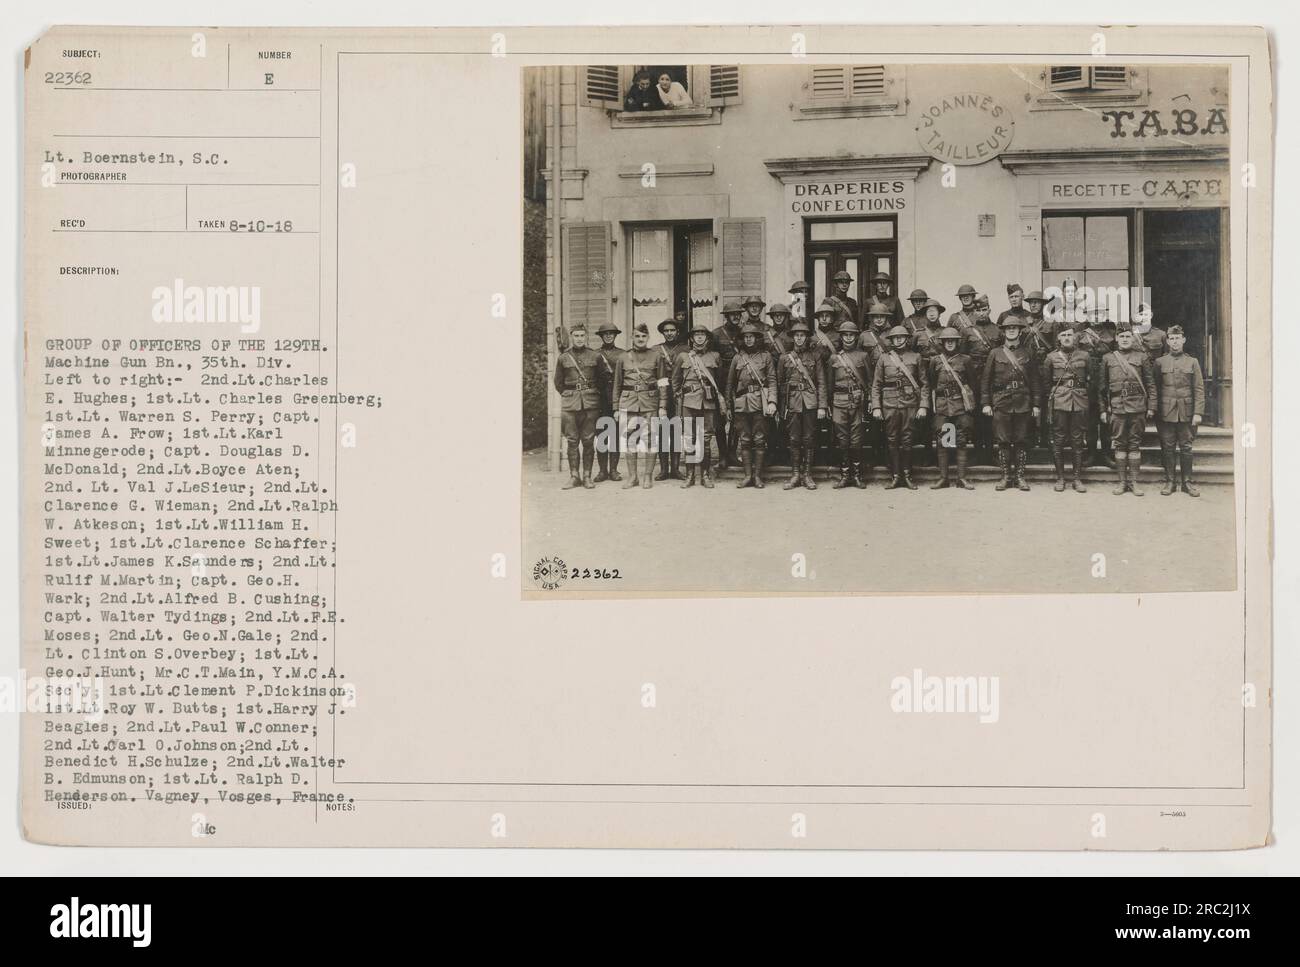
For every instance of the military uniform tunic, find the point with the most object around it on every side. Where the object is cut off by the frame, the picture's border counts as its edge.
(1180, 392)
(802, 392)
(695, 376)
(951, 405)
(580, 379)
(1067, 385)
(751, 384)
(849, 385)
(899, 387)
(1010, 385)
(1128, 391)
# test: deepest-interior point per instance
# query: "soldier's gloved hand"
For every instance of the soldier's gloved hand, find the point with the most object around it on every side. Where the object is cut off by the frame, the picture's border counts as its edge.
(771, 409)
(988, 411)
(1035, 411)
(878, 414)
(821, 414)
(1196, 421)
(920, 412)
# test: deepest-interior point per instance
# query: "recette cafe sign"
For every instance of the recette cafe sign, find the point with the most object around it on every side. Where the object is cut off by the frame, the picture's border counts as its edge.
(965, 129)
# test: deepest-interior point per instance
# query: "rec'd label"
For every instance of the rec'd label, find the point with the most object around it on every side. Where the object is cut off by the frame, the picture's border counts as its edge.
(965, 129)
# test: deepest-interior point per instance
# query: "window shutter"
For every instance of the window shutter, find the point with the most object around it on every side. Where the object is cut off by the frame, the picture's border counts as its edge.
(724, 85)
(600, 87)
(868, 80)
(588, 283)
(829, 81)
(742, 256)
(1066, 78)
(1110, 77)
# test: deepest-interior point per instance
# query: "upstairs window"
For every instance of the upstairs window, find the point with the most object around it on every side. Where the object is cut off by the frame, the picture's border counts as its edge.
(641, 95)
(851, 90)
(1092, 85)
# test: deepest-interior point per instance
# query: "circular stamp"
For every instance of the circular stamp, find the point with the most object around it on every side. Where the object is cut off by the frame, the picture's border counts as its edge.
(549, 573)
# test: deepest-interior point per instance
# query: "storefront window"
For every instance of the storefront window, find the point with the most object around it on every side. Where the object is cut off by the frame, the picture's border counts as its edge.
(1092, 250)
(672, 275)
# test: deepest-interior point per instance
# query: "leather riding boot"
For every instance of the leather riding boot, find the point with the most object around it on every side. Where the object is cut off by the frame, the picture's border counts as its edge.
(760, 457)
(860, 469)
(633, 468)
(962, 455)
(1121, 472)
(675, 462)
(794, 470)
(895, 473)
(1134, 465)
(613, 466)
(662, 473)
(1004, 461)
(588, 458)
(907, 469)
(575, 470)
(690, 478)
(706, 478)
(747, 469)
(1079, 488)
(942, 482)
(602, 464)
(1021, 482)
(647, 470)
(1185, 457)
(1167, 459)
(1059, 459)
(846, 472)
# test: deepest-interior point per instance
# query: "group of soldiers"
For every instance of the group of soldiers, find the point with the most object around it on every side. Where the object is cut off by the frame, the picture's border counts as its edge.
(967, 382)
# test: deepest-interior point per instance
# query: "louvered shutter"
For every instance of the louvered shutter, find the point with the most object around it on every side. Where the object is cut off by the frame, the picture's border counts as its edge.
(588, 282)
(1110, 77)
(868, 80)
(724, 85)
(1066, 78)
(742, 257)
(829, 81)
(600, 86)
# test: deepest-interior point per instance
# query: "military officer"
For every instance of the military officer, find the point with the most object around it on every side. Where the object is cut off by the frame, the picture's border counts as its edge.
(610, 355)
(672, 347)
(964, 318)
(1099, 341)
(916, 320)
(825, 340)
(900, 393)
(977, 342)
(695, 386)
(849, 387)
(1009, 392)
(874, 436)
(883, 292)
(641, 395)
(952, 374)
(753, 306)
(579, 379)
(1180, 395)
(751, 397)
(777, 336)
(726, 340)
(802, 393)
(1068, 379)
(1039, 338)
(846, 307)
(1128, 400)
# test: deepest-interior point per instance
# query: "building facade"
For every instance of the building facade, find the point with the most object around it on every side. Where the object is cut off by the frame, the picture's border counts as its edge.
(1113, 176)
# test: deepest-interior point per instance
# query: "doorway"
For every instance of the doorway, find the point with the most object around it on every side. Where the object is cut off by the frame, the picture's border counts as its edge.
(859, 246)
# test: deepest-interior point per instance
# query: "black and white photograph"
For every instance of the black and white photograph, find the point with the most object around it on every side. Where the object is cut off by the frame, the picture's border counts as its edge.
(879, 327)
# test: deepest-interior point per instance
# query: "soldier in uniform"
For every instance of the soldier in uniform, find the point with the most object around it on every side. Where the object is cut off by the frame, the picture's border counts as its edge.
(952, 375)
(610, 355)
(799, 300)
(883, 293)
(874, 436)
(849, 387)
(1039, 338)
(916, 320)
(753, 306)
(977, 342)
(641, 394)
(925, 340)
(825, 340)
(726, 340)
(846, 307)
(670, 349)
(1068, 378)
(1009, 391)
(1099, 341)
(802, 393)
(1154, 341)
(695, 386)
(964, 318)
(1128, 400)
(1015, 295)
(751, 397)
(579, 379)
(900, 392)
(778, 336)
(1180, 394)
